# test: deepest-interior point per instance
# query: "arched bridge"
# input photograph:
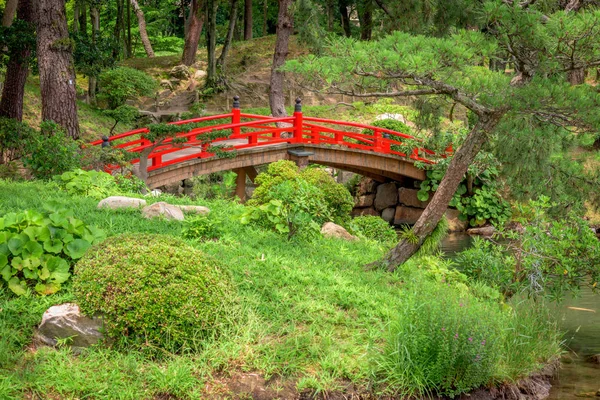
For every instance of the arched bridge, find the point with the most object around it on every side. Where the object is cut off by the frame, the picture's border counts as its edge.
(239, 141)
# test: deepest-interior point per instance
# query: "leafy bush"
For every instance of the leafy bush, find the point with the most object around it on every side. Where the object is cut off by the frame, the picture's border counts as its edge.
(127, 182)
(201, 227)
(94, 184)
(549, 258)
(336, 197)
(38, 249)
(488, 263)
(13, 134)
(120, 84)
(52, 152)
(192, 297)
(464, 339)
(374, 228)
(123, 113)
(391, 124)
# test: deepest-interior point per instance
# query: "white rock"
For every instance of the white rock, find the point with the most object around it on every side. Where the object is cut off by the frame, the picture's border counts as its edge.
(397, 117)
(332, 230)
(115, 202)
(162, 209)
(65, 321)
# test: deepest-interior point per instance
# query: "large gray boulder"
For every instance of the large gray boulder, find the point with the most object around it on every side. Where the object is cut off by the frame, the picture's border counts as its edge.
(115, 202)
(488, 230)
(66, 323)
(366, 186)
(388, 214)
(387, 196)
(162, 209)
(366, 200)
(180, 72)
(331, 230)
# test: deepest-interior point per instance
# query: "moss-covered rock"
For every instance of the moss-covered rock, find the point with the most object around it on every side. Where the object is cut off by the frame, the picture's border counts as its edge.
(154, 292)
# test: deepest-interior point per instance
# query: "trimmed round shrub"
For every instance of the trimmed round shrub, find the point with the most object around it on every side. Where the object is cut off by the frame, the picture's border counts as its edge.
(374, 228)
(154, 292)
(391, 124)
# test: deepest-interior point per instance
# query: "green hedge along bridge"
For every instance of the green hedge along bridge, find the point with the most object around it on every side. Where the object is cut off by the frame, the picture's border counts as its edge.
(257, 139)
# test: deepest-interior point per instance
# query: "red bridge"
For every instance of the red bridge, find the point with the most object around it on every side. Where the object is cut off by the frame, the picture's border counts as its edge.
(379, 153)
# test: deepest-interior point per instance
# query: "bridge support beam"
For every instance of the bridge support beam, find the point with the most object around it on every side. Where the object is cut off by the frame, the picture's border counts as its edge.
(240, 184)
(300, 157)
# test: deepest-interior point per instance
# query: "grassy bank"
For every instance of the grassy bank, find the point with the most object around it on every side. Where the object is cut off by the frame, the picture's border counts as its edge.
(313, 319)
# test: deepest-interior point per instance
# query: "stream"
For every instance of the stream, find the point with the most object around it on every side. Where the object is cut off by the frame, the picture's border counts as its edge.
(577, 377)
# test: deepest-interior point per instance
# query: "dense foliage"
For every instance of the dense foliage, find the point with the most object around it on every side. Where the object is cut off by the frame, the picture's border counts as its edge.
(192, 296)
(38, 249)
(373, 228)
(120, 84)
(291, 201)
(548, 257)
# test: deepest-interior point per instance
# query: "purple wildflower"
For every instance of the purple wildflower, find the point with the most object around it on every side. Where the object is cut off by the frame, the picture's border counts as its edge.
(470, 339)
(456, 336)
(443, 329)
(483, 342)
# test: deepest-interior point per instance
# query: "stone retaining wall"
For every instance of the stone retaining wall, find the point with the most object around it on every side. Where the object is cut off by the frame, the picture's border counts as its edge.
(396, 204)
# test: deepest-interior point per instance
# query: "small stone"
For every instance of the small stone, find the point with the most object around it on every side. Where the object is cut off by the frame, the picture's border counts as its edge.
(455, 224)
(115, 202)
(199, 74)
(331, 230)
(366, 200)
(483, 231)
(388, 214)
(65, 322)
(387, 196)
(407, 215)
(180, 72)
(195, 209)
(162, 209)
(165, 84)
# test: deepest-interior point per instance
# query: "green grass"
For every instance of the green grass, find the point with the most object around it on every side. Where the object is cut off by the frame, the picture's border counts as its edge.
(313, 315)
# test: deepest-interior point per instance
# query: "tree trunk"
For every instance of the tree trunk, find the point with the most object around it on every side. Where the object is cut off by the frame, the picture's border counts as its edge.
(55, 63)
(9, 12)
(76, 13)
(129, 43)
(365, 16)
(248, 20)
(330, 7)
(11, 104)
(142, 24)
(343, 7)
(442, 197)
(83, 19)
(118, 27)
(265, 8)
(195, 22)
(576, 76)
(92, 82)
(229, 38)
(285, 26)
(211, 42)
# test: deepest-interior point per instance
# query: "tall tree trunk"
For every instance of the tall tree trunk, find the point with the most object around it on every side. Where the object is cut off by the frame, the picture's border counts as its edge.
(248, 19)
(439, 203)
(55, 62)
(118, 27)
(211, 41)
(11, 104)
(285, 26)
(576, 76)
(343, 7)
(195, 22)
(142, 24)
(9, 12)
(330, 6)
(265, 15)
(76, 12)
(365, 16)
(92, 80)
(129, 44)
(229, 38)
(83, 18)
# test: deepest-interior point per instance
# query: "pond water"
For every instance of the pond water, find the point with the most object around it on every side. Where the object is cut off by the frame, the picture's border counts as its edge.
(580, 319)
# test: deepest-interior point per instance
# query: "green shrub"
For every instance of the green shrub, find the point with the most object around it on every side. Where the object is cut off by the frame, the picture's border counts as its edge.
(95, 184)
(120, 84)
(51, 153)
(374, 228)
(192, 298)
(201, 227)
(13, 134)
(336, 196)
(127, 182)
(38, 249)
(391, 124)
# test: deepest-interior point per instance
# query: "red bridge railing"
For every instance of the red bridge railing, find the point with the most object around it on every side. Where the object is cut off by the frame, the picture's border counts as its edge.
(243, 131)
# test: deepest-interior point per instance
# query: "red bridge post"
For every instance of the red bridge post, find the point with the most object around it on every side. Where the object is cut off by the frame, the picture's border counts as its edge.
(235, 114)
(298, 123)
